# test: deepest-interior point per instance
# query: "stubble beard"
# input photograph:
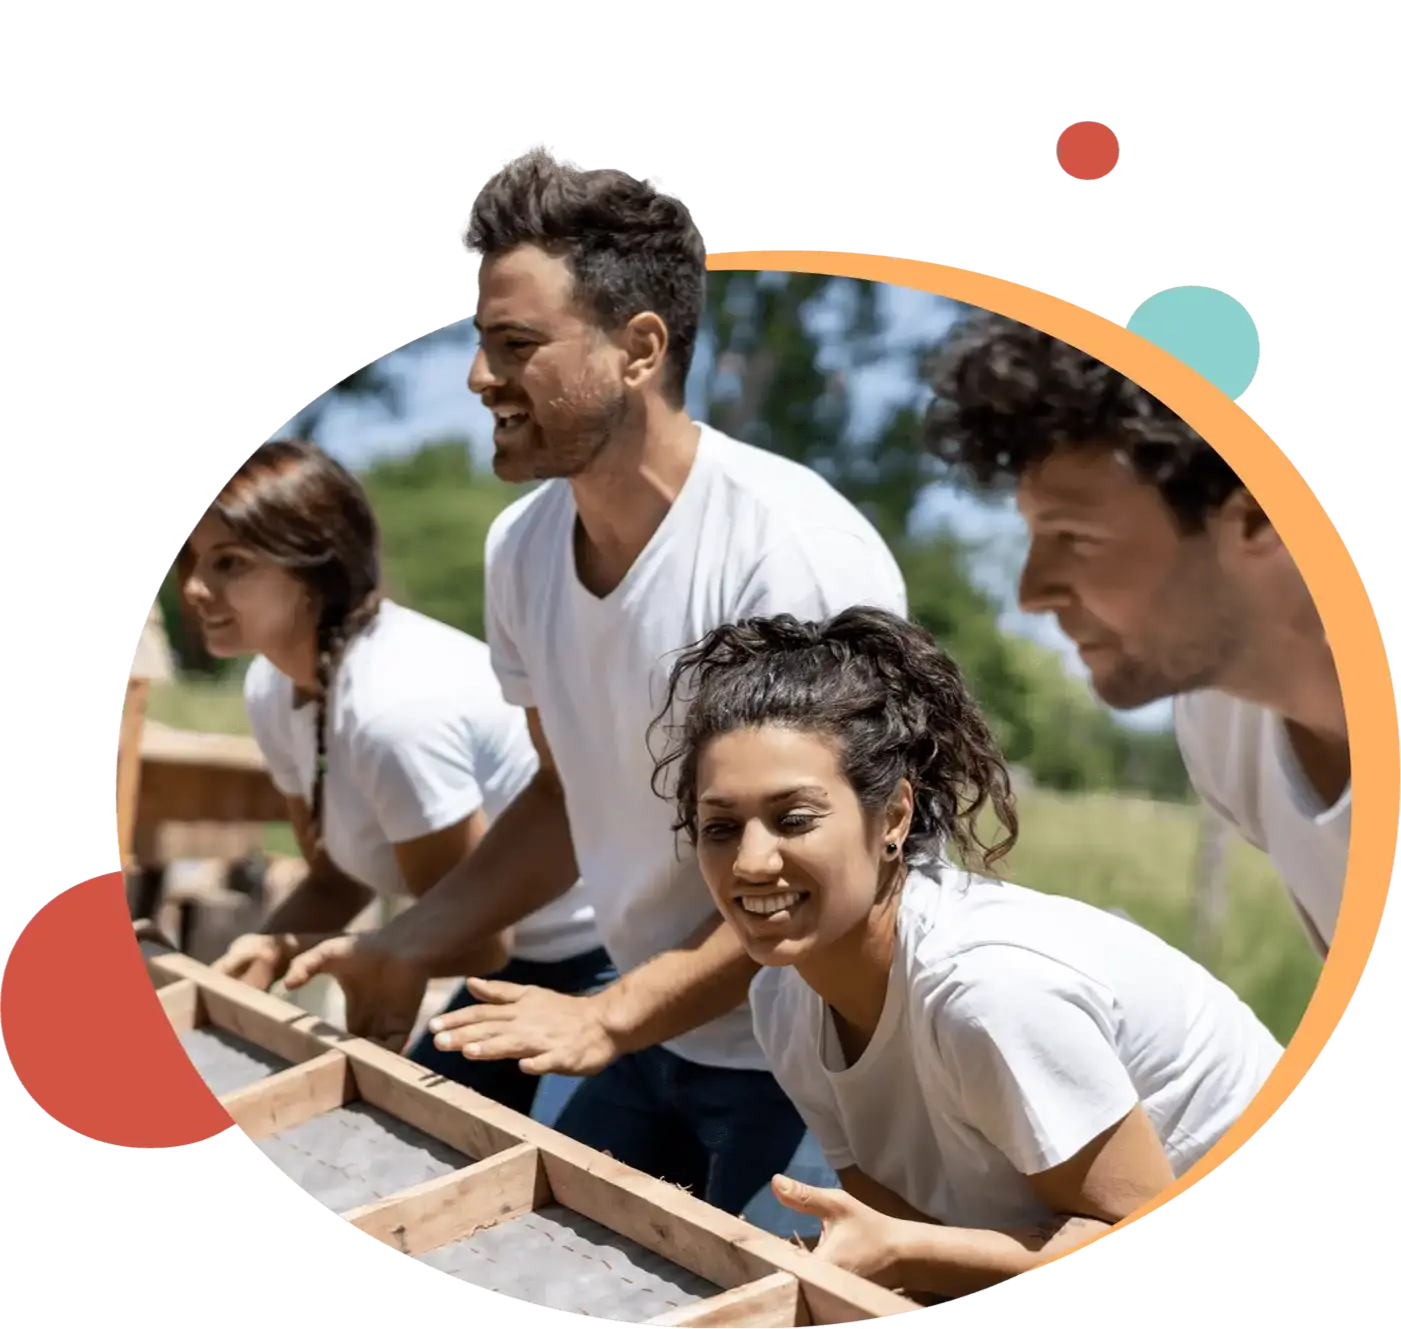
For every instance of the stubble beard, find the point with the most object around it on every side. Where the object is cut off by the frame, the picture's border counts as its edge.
(572, 433)
(1189, 663)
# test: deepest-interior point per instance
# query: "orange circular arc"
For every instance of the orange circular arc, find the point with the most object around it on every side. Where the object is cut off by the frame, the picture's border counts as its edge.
(1368, 696)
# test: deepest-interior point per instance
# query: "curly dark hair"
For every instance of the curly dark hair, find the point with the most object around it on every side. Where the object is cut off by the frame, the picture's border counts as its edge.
(1006, 396)
(631, 249)
(893, 701)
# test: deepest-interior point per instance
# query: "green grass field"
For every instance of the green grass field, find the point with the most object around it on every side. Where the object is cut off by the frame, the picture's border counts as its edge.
(1110, 851)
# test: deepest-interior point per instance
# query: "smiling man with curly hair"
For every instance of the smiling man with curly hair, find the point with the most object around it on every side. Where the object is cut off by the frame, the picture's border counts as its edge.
(1169, 578)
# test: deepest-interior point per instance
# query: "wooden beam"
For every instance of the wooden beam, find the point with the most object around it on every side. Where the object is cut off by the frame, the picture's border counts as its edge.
(129, 767)
(181, 1002)
(665, 1219)
(831, 1295)
(288, 1098)
(766, 1303)
(470, 1122)
(505, 1186)
(259, 1017)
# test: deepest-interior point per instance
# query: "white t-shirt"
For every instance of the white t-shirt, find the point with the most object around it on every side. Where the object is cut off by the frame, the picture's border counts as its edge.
(750, 534)
(419, 737)
(1242, 765)
(1016, 1028)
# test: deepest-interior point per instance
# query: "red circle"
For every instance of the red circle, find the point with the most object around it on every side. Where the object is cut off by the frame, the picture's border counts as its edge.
(1087, 150)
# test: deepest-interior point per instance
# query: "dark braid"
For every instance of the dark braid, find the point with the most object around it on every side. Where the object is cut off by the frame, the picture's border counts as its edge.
(333, 638)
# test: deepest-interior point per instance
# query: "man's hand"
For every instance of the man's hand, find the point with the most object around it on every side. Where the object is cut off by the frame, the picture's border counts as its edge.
(547, 1032)
(256, 959)
(854, 1236)
(383, 993)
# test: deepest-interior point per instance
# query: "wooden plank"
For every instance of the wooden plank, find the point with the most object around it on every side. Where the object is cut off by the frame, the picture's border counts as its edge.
(192, 747)
(665, 1219)
(180, 1000)
(831, 1295)
(505, 1186)
(766, 1303)
(263, 1019)
(288, 1098)
(470, 1122)
(171, 791)
(129, 767)
(699, 1237)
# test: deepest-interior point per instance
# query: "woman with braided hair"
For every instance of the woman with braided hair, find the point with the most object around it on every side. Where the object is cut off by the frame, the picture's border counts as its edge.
(385, 729)
(995, 1074)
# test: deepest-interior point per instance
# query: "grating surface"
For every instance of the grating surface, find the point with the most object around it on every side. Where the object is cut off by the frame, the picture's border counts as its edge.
(225, 1061)
(557, 1258)
(356, 1154)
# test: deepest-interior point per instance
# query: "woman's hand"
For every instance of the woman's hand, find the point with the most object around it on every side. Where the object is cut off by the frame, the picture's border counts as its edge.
(257, 959)
(854, 1237)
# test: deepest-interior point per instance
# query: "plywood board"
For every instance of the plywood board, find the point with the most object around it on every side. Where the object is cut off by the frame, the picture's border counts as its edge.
(225, 1061)
(560, 1259)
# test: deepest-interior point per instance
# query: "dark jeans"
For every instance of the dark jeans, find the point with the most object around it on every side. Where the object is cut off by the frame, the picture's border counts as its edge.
(504, 1081)
(720, 1133)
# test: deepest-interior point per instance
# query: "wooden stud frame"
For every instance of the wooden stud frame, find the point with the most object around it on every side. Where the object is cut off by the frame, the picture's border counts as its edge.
(521, 1165)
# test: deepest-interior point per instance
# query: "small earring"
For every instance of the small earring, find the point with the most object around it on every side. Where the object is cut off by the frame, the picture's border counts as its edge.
(891, 849)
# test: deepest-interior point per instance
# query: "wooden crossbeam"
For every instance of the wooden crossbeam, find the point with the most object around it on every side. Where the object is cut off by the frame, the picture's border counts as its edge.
(766, 1302)
(505, 1186)
(288, 1098)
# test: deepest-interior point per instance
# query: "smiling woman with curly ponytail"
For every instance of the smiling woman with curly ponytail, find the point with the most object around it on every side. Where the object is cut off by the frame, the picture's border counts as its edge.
(1021, 1069)
(385, 729)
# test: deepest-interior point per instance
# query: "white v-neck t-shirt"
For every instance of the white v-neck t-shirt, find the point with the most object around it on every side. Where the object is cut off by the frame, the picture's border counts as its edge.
(750, 534)
(1242, 765)
(1016, 1028)
(419, 738)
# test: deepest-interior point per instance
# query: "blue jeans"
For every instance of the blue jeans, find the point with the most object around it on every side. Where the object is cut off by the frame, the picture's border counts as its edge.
(504, 1081)
(720, 1133)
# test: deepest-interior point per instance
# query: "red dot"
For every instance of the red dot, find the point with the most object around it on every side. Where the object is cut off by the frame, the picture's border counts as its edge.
(1087, 150)
(85, 1031)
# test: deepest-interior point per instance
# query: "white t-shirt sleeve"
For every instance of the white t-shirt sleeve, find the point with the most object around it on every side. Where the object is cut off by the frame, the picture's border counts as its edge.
(1027, 1043)
(267, 697)
(506, 659)
(416, 764)
(819, 572)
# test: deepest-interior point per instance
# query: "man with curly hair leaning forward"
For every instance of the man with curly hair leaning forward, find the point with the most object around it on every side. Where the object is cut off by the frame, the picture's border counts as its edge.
(1171, 581)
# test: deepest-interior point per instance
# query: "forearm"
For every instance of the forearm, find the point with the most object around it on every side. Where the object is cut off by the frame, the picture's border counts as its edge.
(322, 904)
(953, 1261)
(523, 862)
(679, 990)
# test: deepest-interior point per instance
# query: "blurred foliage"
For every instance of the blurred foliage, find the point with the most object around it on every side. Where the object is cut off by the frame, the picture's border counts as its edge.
(777, 359)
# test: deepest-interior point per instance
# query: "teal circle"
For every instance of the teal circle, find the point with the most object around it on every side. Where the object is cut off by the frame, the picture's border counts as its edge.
(1207, 330)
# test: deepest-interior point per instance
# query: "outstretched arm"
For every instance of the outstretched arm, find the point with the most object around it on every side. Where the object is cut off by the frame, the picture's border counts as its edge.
(550, 1033)
(523, 861)
(326, 899)
(1109, 1179)
(679, 990)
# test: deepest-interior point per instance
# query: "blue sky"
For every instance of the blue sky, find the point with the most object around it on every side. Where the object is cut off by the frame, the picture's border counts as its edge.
(435, 404)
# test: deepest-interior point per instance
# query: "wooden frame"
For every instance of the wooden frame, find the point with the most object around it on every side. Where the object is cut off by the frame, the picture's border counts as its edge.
(518, 1165)
(129, 768)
